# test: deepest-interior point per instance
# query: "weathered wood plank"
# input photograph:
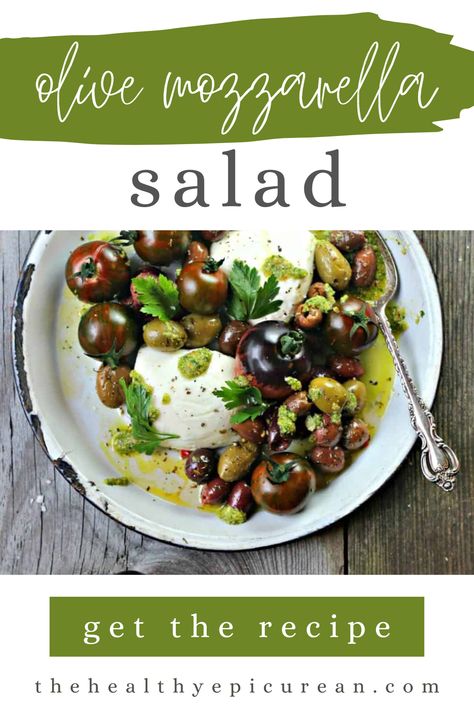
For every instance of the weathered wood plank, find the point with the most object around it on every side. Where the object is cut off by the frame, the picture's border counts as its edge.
(70, 536)
(411, 526)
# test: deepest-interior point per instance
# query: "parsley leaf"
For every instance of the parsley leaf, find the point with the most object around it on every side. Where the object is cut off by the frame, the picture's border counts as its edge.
(158, 296)
(138, 401)
(265, 302)
(248, 398)
(249, 299)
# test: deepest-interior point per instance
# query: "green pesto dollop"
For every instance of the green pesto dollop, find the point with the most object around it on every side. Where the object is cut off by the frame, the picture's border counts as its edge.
(232, 516)
(137, 379)
(282, 269)
(315, 393)
(153, 414)
(313, 422)
(294, 383)
(351, 404)
(421, 314)
(397, 318)
(318, 302)
(286, 420)
(242, 381)
(117, 481)
(195, 363)
(123, 442)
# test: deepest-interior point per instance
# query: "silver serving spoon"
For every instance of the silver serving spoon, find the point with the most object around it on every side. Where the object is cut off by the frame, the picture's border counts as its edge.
(439, 463)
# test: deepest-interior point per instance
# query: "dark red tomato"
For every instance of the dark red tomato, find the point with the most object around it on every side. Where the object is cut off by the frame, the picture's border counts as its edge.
(213, 235)
(97, 271)
(108, 332)
(202, 287)
(197, 252)
(161, 247)
(283, 484)
(270, 352)
(352, 328)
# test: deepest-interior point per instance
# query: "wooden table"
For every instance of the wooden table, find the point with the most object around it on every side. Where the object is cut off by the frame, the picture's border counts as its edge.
(407, 527)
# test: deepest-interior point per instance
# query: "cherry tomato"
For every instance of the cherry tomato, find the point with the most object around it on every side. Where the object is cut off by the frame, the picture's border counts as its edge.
(197, 252)
(108, 332)
(159, 247)
(202, 287)
(283, 483)
(97, 271)
(352, 328)
(270, 352)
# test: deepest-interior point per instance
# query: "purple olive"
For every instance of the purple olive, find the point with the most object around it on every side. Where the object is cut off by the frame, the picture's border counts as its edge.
(231, 335)
(215, 491)
(275, 440)
(200, 466)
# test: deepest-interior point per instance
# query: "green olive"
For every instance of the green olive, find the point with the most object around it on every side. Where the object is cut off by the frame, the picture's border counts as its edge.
(201, 330)
(108, 385)
(236, 460)
(327, 394)
(332, 266)
(357, 388)
(164, 335)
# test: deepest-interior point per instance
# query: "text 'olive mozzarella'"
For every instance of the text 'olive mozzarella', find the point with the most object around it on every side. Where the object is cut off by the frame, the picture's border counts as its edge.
(189, 408)
(255, 246)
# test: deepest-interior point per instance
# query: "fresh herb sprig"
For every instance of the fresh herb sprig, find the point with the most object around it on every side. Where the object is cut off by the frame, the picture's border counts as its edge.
(138, 401)
(158, 295)
(237, 393)
(250, 299)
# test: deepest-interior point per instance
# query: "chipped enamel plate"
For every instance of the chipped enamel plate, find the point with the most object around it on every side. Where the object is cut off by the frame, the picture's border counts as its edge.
(56, 385)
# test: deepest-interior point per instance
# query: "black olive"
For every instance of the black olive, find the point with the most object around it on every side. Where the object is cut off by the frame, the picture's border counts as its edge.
(200, 465)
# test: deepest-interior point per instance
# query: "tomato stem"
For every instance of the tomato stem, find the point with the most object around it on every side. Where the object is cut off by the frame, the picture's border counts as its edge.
(361, 320)
(278, 473)
(111, 358)
(211, 265)
(125, 238)
(291, 343)
(87, 271)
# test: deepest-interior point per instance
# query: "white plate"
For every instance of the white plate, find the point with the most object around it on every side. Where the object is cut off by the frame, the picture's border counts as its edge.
(71, 424)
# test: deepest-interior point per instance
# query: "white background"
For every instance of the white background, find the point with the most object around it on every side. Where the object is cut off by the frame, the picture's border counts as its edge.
(390, 181)
(448, 647)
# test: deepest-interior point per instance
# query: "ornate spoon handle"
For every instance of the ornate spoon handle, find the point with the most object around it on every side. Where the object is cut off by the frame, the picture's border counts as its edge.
(439, 463)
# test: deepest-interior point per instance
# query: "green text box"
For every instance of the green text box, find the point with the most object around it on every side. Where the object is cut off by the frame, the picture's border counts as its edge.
(322, 71)
(297, 626)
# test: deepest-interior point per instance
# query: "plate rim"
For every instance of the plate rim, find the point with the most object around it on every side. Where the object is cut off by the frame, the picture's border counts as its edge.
(96, 498)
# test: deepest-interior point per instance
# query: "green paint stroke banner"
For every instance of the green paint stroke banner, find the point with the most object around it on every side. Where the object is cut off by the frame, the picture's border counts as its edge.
(240, 81)
(236, 627)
